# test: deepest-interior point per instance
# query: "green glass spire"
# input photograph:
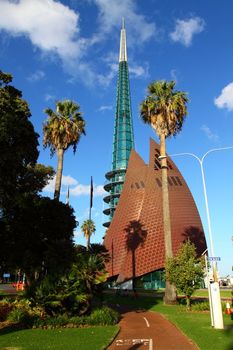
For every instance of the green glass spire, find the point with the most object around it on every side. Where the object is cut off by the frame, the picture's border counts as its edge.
(123, 140)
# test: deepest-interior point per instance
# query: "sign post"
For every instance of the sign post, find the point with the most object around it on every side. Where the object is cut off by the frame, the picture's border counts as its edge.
(216, 299)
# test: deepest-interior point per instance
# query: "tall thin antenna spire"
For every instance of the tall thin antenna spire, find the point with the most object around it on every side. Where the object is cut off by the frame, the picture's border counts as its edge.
(123, 140)
(123, 50)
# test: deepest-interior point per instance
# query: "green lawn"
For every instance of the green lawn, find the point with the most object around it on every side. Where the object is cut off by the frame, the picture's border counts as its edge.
(196, 325)
(225, 293)
(95, 338)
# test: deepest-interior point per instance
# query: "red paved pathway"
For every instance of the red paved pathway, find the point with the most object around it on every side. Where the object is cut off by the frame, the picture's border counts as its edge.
(149, 331)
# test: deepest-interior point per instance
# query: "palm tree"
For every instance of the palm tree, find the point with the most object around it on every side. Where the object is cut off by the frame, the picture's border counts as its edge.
(88, 228)
(165, 109)
(62, 129)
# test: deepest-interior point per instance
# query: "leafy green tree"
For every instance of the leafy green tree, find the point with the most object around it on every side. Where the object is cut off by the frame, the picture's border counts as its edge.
(185, 270)
(40, 236)
(18, 142)
(165, 109)
(88, 228)
(63, 129)
(100, 249)
(20, 175)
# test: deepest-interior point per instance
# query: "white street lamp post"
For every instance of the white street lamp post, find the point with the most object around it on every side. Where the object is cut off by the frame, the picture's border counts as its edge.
(215, 300)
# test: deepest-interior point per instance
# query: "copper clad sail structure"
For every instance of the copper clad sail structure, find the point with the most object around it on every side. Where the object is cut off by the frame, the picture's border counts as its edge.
(135, 238)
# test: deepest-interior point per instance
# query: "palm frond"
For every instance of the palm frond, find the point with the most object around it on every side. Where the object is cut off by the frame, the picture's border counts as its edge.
(164, 108)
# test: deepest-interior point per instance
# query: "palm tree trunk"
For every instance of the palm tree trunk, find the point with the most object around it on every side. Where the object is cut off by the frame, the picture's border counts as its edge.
(60, 156)
(170, 294)
(88, 242)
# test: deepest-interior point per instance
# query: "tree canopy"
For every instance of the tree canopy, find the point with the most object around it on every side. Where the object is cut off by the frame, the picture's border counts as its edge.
(35, 232)
(62, 130)
(18, 140)
(185, 270)
(88, 228)
(164, 108)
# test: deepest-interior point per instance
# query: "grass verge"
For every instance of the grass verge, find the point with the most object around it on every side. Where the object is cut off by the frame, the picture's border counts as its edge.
(224, 293)
(94, 338)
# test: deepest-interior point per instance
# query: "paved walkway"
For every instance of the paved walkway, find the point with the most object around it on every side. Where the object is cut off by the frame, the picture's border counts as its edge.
(149, 331)
(7, 288)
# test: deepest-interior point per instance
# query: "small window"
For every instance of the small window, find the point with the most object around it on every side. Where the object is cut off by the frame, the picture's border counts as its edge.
(142, 183)
(174, 180)
(157, 165)
(169, 181)
(169, 165)
(137, 185)
(132, 186)
(178, 180)
(159, 182)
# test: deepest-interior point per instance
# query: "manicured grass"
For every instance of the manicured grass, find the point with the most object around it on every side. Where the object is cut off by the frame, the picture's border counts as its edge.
(196, 325)
(94, 338)
(225, 293)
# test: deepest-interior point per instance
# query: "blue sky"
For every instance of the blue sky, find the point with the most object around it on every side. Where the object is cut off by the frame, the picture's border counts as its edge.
(69, 50)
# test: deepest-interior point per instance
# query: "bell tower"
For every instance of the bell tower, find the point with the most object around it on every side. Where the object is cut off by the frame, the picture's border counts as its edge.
(123, 139)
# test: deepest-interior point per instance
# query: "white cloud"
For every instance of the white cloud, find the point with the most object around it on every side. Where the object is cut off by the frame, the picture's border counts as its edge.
(66, 181)
(185, 30)
(38, 75)
(174, 75)
(49, 97)
(225, 99)
(49, 25)
(135, 70)
(84, 190)
(105, 79)
(105, 108)
(98, 191)
(54, 29)
(211, 136)
(75, 188)
(138, 71)
(111, 14)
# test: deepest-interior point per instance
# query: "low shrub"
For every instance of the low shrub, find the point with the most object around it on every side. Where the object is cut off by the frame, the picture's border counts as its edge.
(21, 316)
(5, 309)
(103, 317)
(79, 320)
(60, 320)
(99, 317)
(201, 306)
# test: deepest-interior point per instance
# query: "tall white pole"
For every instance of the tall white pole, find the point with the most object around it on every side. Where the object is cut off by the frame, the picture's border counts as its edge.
(214, 292)
(207, 208)
(213, 288)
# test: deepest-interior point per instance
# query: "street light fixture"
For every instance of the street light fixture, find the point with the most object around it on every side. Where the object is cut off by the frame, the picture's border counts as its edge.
(215, 300)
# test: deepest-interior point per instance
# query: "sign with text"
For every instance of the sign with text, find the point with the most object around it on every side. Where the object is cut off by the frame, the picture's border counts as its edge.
(214, 258)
